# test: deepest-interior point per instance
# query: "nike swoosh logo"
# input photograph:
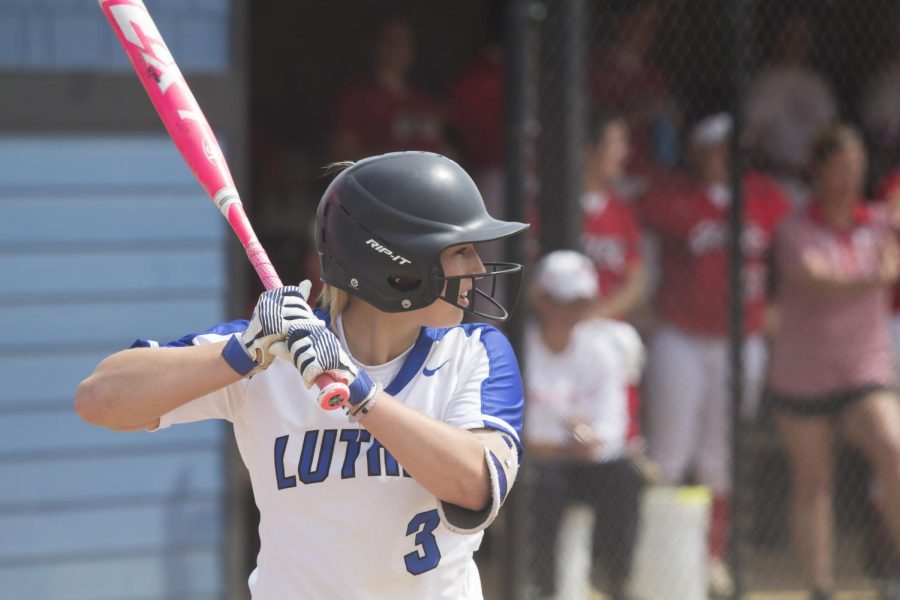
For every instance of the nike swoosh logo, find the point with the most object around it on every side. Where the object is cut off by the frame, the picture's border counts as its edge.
(430, 372)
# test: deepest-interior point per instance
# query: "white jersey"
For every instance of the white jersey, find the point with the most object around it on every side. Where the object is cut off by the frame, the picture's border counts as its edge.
(588, 381)
(339, 517)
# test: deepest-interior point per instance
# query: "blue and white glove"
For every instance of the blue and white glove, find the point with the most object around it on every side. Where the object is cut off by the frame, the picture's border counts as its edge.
(251, 351)
(315, 350)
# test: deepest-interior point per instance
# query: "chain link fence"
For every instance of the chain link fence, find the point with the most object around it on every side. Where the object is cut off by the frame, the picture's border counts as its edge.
(670, 142)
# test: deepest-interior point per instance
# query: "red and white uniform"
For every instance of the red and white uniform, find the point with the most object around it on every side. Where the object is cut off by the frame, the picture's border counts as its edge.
(611, 237)
(384, 121)
(688, 369)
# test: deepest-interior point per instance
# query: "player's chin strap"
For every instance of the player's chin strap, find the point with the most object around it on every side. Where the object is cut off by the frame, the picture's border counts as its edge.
(502, 459)
(483, 302)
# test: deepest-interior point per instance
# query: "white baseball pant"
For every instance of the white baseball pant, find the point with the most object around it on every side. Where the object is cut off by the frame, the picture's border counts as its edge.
(688, 402)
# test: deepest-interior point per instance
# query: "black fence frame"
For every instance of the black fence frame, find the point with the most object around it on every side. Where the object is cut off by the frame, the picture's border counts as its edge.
(561, 120)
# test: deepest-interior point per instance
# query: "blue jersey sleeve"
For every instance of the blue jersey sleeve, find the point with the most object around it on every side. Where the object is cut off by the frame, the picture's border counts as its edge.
(223, 329)
(502, 393)
(491, 393)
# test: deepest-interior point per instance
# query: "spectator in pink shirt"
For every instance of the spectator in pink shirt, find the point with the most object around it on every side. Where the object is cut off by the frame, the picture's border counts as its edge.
(831, 366)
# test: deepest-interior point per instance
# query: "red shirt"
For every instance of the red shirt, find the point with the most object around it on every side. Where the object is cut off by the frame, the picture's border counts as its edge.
(692, 225)
(610, 237)
(383, 121)
(475, 109)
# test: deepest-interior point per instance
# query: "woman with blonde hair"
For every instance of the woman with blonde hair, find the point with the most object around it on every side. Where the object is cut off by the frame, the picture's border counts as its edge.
(389, 498)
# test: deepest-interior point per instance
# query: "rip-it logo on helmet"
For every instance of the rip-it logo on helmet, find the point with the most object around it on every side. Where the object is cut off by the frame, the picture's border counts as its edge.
(387, 252)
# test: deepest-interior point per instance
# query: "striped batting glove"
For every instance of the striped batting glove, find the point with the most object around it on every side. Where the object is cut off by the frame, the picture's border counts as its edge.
(315, 350)
(250, 352)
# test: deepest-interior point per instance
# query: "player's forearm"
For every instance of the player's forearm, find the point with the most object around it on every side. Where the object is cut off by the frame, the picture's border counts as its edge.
(134, 388)
(445, 460)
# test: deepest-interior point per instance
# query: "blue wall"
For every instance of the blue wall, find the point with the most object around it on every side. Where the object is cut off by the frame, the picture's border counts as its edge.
(73, 34)
(103, 239)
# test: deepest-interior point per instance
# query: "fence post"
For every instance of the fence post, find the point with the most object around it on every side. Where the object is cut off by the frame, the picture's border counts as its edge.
(740, 39)
(562, 117)
(515, 555)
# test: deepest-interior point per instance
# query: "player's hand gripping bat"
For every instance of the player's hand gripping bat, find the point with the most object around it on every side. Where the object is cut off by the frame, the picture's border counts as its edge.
(195, 140)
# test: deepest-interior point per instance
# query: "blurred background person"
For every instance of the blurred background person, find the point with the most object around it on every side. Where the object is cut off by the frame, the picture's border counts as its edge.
(382, 111)
(625, 78)
(831, 365)
(577, 375)
(475, 120)
(687, 381)
(611, 237)
(879, 108)
(788, 103)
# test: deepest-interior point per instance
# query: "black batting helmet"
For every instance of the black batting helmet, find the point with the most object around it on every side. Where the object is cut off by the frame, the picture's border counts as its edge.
(383, 222)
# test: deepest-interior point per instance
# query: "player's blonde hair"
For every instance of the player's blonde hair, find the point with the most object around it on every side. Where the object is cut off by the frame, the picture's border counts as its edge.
(333, 300)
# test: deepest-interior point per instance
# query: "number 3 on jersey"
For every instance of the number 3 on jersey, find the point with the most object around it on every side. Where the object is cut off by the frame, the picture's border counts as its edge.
(419, 561)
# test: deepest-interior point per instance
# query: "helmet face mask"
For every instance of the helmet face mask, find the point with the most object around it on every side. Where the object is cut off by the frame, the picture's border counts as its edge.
(482, 295)
(383, 224)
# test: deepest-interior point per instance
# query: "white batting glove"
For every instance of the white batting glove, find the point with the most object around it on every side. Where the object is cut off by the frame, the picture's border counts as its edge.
(275, 311)
(315, 350)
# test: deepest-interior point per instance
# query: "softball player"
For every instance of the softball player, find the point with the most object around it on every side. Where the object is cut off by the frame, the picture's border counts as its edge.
(578, 425)
(688, 425)
(611, 236)
(388, 499)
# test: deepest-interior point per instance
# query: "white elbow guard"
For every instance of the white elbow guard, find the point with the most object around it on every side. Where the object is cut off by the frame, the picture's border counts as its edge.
(502, 461)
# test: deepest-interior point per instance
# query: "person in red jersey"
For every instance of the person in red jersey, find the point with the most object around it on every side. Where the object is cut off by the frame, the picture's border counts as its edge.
(611, 235)
(382, 111)
(624, 77)
(832, 367)
(475, 109)
(687, 379)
